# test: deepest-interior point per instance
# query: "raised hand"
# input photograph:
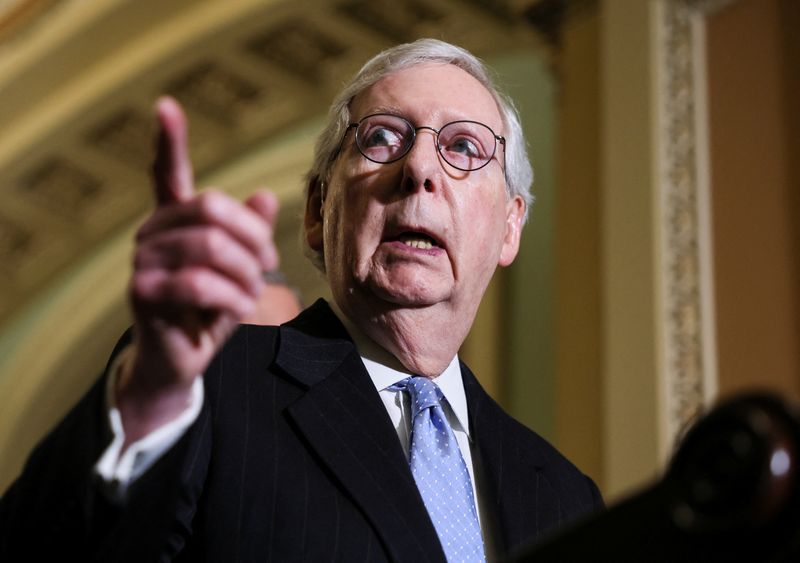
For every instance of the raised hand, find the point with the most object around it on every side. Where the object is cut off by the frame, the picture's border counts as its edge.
(197, 272)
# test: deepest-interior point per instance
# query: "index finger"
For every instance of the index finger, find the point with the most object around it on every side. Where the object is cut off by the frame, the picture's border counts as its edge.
(172, 168)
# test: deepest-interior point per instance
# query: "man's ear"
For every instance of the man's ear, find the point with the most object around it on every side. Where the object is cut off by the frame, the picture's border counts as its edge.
(312, 222)
(515, 212)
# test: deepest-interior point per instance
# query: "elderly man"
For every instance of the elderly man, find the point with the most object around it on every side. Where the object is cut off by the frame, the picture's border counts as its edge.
(281, 443)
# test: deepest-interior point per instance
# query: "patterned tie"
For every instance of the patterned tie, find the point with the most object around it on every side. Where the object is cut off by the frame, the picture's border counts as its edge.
(440, 472)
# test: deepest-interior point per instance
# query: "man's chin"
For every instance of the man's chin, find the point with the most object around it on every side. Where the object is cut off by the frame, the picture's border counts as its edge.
(410, 279)
(408, 297)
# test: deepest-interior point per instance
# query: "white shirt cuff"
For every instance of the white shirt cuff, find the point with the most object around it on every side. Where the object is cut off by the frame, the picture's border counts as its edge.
(119, 472)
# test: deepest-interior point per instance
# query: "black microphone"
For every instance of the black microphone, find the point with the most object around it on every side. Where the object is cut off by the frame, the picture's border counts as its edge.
(730, 493)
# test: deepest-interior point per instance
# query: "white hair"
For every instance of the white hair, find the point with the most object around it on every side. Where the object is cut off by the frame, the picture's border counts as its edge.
(518, 171)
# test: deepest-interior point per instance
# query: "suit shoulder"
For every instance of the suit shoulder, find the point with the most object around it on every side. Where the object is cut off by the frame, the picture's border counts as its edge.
(553, 460)
(502, 435)
(250, 348)
(252, 340)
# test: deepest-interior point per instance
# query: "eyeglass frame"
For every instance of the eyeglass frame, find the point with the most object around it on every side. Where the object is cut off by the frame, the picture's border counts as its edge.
(355, 125)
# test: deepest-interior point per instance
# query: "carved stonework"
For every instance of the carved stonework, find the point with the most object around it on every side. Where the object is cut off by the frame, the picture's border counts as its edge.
(127, 135)
(503, 10)
(685, 396)
(216, 92)
(62, 186)
(15, 241)
(687, 300)
(299, 48)
(548, 17)
(18, 17)
(399, 21)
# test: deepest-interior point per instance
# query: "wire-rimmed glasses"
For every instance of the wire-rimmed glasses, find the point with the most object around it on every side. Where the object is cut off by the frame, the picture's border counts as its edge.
(384, 137)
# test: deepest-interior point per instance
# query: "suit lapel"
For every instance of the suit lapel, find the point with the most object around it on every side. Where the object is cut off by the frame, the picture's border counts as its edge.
(344, 421)
(511, 473)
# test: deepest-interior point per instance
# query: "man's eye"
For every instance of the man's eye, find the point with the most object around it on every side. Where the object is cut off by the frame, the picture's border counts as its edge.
(465, 146)
(382, 137)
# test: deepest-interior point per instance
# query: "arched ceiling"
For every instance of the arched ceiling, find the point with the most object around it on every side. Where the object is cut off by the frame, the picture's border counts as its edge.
(78, 81)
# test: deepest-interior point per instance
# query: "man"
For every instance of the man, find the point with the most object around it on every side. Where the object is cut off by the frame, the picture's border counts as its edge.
(283, 450)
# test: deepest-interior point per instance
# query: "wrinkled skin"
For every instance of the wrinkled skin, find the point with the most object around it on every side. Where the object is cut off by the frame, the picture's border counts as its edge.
(417, 302)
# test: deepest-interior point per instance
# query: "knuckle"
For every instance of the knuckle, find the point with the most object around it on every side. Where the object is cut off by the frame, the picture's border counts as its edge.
(139, 290)
(211, 203)
(152, 225)
(212, 242)
(253, 269)
(152, 253)
(145, 253)
(265, 232)
(190, 283)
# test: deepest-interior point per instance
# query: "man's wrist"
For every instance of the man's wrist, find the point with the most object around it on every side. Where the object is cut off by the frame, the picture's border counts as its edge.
(126, 460)
(144, 406)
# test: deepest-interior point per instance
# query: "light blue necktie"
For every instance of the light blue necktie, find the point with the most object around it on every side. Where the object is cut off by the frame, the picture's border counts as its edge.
(440, 472)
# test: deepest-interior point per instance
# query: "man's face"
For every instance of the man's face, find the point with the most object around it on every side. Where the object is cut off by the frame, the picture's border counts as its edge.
(416, 232)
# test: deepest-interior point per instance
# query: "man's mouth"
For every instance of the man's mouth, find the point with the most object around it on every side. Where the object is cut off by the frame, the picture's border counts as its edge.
(417, 240)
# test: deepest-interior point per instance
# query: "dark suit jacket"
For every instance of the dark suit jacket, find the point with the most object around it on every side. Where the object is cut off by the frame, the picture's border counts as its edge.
(293, 457)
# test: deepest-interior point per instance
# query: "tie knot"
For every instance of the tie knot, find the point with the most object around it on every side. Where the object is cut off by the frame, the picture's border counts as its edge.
(423, 393)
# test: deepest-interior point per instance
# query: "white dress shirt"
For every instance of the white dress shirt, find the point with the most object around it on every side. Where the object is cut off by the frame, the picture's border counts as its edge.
(384, 371)
(119, 472)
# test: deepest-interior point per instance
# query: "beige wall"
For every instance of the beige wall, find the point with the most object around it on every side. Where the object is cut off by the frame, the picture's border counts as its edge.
(628, 249)
(578, 280)
(753, 93)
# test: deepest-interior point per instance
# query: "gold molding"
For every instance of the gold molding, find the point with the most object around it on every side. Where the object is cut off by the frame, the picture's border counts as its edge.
(79, 88)
(688, 356)
(18, 17)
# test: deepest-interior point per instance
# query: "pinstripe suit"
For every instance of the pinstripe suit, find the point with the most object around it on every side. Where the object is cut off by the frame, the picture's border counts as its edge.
(292, 458)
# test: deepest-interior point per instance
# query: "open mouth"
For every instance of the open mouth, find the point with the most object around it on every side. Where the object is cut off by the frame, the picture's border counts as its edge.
(417, 240)
(413, 237)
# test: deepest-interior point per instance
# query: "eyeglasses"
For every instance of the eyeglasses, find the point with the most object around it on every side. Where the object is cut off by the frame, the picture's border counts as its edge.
(464, 145)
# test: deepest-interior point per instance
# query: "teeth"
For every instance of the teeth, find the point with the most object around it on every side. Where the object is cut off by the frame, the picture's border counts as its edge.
(423, 244)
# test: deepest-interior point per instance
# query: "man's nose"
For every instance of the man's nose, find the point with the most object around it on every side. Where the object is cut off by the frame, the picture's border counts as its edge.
(422, 165)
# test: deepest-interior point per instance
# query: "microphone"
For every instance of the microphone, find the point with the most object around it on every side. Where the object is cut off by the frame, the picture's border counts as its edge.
(730, 493)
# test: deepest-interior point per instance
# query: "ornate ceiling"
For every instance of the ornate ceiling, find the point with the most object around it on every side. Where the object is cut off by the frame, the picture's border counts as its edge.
(78, 81)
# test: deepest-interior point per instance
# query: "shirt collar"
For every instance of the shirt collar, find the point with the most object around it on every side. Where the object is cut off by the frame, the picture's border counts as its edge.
(386, 370)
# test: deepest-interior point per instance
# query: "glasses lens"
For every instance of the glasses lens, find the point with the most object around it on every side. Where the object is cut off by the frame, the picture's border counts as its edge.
(384, 138)
(467, 145)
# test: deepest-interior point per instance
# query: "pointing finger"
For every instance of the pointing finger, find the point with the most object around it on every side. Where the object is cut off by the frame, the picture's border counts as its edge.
(172, 168)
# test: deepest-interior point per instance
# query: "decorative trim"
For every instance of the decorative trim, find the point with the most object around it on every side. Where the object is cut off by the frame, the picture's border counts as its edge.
(20, 16)
(548, 17)
(689, 367)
